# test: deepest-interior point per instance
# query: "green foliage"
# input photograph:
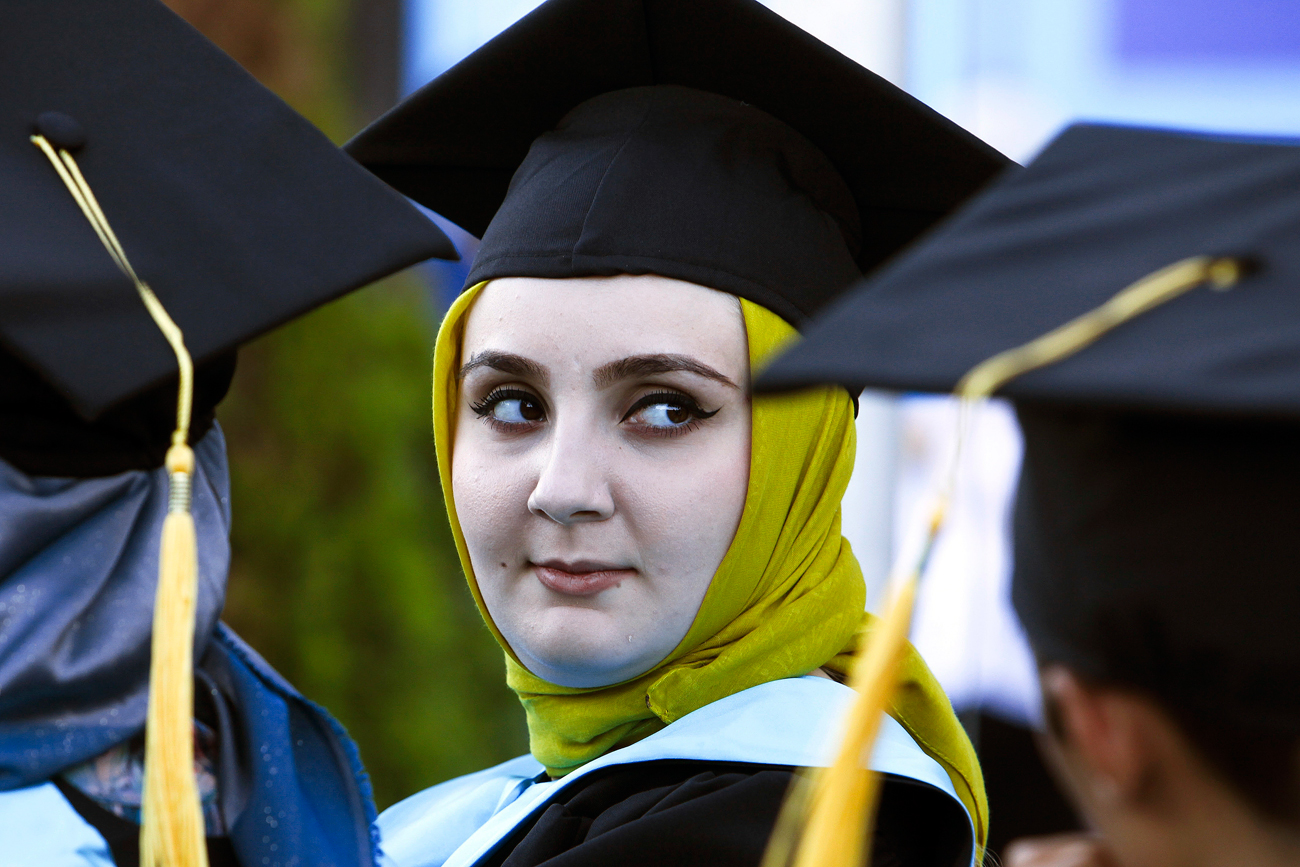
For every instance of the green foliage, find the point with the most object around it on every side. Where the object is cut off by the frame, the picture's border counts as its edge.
(345, 576)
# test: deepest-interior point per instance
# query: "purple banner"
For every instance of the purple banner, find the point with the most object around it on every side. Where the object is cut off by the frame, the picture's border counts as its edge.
(1207, 30)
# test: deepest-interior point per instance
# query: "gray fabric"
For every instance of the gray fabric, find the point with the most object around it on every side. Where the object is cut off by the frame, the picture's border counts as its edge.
(78, 571)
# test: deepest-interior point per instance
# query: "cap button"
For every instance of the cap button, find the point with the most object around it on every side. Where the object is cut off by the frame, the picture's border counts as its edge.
(61, 130)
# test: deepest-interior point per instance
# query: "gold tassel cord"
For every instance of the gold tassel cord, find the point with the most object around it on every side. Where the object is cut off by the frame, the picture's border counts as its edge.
(171, 830)
(1060, 343)
(73, 179)
(829, 813)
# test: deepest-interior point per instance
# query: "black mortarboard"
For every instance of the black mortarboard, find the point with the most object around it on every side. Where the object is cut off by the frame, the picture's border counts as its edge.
(238, 212)
(1155, 516)
(706, 140)
(1101, 207)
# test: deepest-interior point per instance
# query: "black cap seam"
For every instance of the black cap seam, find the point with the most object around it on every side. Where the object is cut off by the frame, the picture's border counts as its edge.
(604, 175)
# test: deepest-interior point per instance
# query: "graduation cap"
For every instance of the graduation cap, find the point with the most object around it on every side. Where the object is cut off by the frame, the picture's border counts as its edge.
(161, 207)
(237, 212)
(1155, 516)
(705, 140)
(1101, 207)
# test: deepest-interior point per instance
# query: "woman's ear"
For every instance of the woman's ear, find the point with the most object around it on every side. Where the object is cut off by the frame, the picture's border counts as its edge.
(1102, 740)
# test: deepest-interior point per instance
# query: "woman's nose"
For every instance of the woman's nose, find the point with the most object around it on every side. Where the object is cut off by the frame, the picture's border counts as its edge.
(573, 486)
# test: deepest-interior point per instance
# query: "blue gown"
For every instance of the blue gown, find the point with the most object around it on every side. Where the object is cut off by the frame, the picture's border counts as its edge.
(78, 567)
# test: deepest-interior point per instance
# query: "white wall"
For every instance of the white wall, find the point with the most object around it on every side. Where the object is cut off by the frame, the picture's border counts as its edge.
(868, 31)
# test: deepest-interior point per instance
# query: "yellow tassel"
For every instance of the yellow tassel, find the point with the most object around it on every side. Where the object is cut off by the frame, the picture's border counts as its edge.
(171, 832)
(844, 806)
(171, 828)
(1151, 291)
(827, 819)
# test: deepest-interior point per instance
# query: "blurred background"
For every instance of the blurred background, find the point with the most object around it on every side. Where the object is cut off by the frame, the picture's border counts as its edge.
(344, 573)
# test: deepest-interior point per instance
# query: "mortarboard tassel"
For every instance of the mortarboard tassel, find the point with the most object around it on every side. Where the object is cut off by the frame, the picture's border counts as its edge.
(829, 813)
(171, 829)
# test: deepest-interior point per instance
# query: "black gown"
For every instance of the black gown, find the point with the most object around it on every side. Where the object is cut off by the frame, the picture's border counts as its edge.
(676, 812)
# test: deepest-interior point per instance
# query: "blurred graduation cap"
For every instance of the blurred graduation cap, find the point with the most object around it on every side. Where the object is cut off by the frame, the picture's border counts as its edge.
(706, 140)
(1101, 207)
(160, 207)
(1156, 513)
(237, 212)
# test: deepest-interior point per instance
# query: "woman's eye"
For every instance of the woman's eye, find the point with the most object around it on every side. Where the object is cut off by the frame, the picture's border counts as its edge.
(666, 412)
(665, 415)
(510, 407)
(517, 410)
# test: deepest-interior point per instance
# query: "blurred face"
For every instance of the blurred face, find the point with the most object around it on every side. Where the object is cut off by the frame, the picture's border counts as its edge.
(600, 464)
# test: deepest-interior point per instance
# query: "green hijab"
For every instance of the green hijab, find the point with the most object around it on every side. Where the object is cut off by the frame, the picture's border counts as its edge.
(788, 597)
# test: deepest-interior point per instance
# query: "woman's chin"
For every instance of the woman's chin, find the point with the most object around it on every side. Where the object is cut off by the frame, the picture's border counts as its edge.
(581, 677)
(585, 661)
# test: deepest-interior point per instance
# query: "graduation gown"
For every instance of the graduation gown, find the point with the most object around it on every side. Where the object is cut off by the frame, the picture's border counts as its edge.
(78, 566)
(306, 799)
(703, 790)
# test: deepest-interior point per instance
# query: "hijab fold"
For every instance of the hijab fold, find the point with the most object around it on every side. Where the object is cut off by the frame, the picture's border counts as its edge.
(787, 598)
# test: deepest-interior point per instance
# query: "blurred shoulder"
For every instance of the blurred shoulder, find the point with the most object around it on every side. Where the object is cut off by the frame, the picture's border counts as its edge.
(41, 829)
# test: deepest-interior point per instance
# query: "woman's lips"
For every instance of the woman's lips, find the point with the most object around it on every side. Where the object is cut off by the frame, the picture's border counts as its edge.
(579, 579)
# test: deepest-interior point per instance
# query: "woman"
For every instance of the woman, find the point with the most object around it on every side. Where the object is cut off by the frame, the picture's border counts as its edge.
(658, 554)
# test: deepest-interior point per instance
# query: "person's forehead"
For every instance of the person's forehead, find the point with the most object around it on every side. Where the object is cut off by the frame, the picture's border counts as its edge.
(595, 320)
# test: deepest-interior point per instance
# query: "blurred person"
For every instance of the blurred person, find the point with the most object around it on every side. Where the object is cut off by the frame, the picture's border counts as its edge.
(133, 150)
(665, 191)
(1172, 722)
(1154, 518)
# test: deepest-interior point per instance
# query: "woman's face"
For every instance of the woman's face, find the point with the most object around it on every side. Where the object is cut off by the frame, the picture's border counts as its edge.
(600, 464)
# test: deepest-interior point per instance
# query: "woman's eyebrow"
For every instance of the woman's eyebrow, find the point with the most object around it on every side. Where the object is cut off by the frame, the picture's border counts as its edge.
(506, 362)
(645, 365)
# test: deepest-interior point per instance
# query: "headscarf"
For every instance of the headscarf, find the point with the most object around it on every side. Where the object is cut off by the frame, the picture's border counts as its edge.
(788, 597)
